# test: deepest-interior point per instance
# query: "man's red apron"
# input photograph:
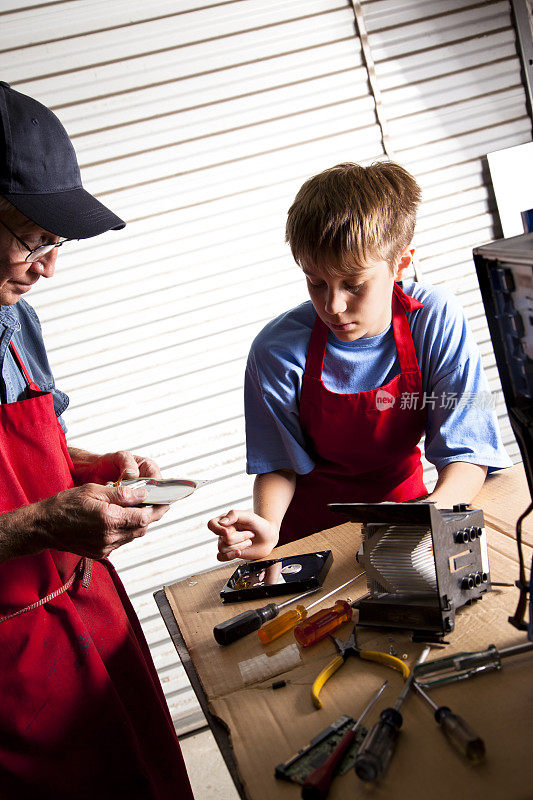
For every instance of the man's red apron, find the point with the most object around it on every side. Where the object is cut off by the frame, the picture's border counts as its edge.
(364, 445)
(82, 713)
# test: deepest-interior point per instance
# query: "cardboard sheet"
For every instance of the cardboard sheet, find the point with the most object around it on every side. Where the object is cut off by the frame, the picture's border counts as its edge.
(269, 726)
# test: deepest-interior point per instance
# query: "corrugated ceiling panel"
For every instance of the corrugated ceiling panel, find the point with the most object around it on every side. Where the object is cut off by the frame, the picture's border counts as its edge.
(197, 123)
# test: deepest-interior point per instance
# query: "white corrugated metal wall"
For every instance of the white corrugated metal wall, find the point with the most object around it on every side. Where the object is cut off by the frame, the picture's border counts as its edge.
(197, 123)
(452, 91)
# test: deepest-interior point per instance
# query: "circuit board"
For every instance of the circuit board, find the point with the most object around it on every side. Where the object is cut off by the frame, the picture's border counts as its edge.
(306, 760)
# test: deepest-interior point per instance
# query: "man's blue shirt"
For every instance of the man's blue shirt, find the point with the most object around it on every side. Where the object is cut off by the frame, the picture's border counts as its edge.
(19, 323)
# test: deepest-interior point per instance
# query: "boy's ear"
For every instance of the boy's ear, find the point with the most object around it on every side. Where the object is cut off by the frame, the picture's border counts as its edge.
(404, 262)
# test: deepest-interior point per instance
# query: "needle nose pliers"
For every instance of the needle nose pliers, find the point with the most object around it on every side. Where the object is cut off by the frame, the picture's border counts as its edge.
(347, 649)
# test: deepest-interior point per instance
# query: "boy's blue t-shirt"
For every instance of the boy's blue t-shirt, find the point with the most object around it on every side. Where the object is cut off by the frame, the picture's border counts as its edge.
(461, 425)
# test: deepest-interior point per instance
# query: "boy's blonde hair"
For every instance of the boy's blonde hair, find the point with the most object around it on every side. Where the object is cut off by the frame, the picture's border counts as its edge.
(349, 214)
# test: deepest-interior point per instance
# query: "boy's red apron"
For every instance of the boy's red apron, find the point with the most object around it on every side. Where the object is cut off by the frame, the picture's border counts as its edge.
(364, 445)
(82, 714)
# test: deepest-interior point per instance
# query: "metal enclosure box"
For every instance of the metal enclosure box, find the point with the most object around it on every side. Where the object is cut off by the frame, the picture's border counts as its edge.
(422, 564)
(505, 274)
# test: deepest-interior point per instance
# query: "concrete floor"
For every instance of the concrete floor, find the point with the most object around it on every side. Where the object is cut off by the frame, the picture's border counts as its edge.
(209, 777)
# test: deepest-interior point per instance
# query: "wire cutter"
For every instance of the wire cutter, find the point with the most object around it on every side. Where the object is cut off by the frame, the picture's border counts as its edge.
(347, 649)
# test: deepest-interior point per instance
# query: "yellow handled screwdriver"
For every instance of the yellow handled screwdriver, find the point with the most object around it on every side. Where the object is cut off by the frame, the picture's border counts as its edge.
(277, 627)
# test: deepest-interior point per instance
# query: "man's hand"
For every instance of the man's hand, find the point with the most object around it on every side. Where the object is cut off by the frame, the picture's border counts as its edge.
(243, 534)
(94, 520)
(91, 468)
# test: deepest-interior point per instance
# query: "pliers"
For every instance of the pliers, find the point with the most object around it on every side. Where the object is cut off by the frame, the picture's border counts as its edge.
(347, 649)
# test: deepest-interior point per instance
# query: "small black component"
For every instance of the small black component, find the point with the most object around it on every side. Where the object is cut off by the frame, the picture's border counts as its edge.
(279, 684)
(461, 537)
(505, 279)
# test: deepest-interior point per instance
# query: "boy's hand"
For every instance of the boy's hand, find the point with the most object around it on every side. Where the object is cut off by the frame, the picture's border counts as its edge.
(243, 534)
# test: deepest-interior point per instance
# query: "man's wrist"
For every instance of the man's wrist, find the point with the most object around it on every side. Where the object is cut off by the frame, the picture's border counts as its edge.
(83, 462)
(24, 531)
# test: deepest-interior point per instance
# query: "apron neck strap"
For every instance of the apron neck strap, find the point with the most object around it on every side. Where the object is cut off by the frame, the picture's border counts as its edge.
(317, 349)
(408, 303)
(20, 364)
(402, 304)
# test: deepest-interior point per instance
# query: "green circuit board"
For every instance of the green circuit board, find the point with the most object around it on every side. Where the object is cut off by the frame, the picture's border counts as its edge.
(306, 760)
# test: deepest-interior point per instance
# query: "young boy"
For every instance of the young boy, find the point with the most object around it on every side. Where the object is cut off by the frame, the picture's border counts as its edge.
(340, 390)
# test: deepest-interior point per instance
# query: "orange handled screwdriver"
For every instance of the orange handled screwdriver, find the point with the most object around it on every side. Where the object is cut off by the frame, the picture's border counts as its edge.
(322, 623)
(277, 627)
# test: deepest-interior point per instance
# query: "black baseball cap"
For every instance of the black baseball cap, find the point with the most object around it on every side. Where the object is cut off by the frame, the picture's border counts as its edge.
(39, 172)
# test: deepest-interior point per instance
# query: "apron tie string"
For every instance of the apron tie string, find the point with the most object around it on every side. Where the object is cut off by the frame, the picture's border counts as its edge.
(83, 570)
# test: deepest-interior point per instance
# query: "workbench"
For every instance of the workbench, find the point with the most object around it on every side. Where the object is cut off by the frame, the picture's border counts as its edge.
(258, 727)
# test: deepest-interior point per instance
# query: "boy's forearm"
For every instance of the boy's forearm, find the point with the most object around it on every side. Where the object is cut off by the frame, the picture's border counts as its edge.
(458, 482)
(273, 492)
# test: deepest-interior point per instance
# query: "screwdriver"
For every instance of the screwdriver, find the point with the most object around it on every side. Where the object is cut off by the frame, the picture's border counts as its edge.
(251, 620)
(273, 630)
(321, 624)
(317, 784)
(468, 743)
(377, 749)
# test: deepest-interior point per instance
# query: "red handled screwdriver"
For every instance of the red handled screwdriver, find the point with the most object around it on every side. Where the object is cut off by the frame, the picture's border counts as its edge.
(316, 786)
(322, 623)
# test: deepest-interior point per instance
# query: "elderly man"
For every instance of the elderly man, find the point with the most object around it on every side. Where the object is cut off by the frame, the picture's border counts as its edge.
(82, 714)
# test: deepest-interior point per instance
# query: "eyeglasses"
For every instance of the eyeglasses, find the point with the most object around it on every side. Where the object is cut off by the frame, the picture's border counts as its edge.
(34, 253)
